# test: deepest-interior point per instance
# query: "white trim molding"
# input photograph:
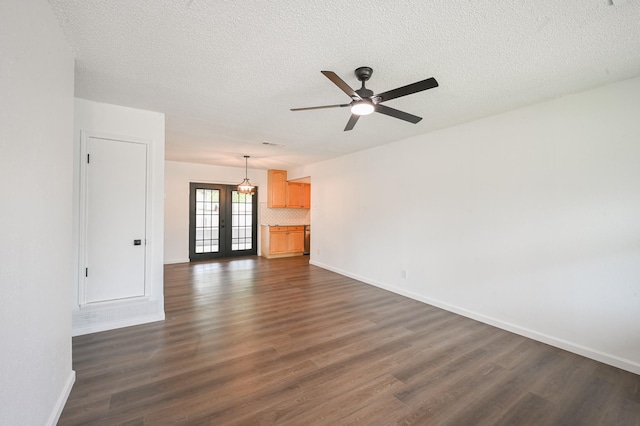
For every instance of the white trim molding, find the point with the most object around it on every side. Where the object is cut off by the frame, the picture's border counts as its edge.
(62, 399)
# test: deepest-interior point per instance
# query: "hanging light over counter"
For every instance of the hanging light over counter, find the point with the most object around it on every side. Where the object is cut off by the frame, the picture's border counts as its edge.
(245, 186)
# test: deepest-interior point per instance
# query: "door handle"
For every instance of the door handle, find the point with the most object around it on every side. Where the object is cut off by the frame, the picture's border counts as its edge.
(137, 242)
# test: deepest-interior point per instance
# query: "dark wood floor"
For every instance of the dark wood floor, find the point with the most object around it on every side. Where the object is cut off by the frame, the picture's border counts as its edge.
(258, 342)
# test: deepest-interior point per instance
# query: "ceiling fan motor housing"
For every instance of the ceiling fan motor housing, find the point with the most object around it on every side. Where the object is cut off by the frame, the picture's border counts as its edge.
(363, 73)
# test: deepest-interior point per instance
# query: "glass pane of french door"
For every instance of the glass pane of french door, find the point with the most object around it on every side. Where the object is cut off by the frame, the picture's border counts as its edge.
(241, 221)
(207, 236)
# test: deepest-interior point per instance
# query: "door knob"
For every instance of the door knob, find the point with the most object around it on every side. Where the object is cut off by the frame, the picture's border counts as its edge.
(137, 242)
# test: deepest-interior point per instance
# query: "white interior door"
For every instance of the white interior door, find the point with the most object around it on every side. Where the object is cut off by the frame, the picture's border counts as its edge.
(115, 245)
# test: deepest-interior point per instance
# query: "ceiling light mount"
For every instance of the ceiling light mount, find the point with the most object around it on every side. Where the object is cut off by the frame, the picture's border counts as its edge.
(363, 73)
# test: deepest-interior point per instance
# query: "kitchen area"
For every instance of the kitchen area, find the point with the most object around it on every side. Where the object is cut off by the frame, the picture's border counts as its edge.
(285, 222)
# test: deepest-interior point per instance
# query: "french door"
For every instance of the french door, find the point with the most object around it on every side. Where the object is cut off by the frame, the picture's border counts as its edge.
(222, 222)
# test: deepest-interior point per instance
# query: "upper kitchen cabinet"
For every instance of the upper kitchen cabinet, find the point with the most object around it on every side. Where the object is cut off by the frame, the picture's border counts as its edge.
(299, 195)
(306, 196)
(294, 195)
(277, 188)
(283, 194)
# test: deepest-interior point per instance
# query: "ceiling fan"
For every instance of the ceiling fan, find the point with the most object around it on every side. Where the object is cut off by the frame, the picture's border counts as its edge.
(364, 102)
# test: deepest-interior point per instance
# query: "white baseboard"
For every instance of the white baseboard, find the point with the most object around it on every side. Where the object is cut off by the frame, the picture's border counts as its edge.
(112, 325)
(110, 315)
(587, 352)
(62, 399)
(172, 261)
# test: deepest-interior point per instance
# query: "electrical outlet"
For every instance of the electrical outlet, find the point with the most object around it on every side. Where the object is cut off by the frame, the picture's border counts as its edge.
(404, 274)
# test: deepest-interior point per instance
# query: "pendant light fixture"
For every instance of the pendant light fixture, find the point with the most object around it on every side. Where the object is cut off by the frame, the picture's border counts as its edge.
(245, 187)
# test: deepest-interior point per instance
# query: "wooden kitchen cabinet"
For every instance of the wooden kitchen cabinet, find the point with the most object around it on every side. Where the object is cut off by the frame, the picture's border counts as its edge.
(299, 195)
(283, 194)
(277, 188)
(295, 239)
(278, 240)
(306, 196)
(294, 195)
(282, 241)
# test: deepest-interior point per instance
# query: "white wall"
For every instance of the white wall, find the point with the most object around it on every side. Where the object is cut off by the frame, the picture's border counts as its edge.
(528, 220)
(36, 119)
(117, 121)
(177, 178)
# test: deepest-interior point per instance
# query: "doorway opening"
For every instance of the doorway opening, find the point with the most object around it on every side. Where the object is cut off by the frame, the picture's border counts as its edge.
(222, 222)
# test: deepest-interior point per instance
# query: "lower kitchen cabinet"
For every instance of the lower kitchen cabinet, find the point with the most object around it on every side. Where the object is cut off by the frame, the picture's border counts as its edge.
(282, 241)
(295, 239)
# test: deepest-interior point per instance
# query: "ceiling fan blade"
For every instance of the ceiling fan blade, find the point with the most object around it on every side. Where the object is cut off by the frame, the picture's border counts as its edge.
(352, 122)
(341, 84)
(319, 107)
(419, 86)
(392, 112)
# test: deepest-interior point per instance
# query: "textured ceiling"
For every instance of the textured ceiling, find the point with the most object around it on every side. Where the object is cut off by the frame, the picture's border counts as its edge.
(226, 73)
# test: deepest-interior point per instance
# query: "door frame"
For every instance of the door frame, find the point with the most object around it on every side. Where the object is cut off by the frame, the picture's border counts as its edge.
(226, 191)
(83, 212)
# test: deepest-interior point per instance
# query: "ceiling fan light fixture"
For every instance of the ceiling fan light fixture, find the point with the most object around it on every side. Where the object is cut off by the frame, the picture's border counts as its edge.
(364, 101)
(362, 107)
(245, 186)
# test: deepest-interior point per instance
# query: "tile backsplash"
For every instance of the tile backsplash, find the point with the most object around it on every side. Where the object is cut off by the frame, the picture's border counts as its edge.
(283, 216)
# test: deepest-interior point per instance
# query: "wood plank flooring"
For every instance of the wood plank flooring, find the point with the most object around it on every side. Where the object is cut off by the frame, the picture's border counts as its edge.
(251, 341)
